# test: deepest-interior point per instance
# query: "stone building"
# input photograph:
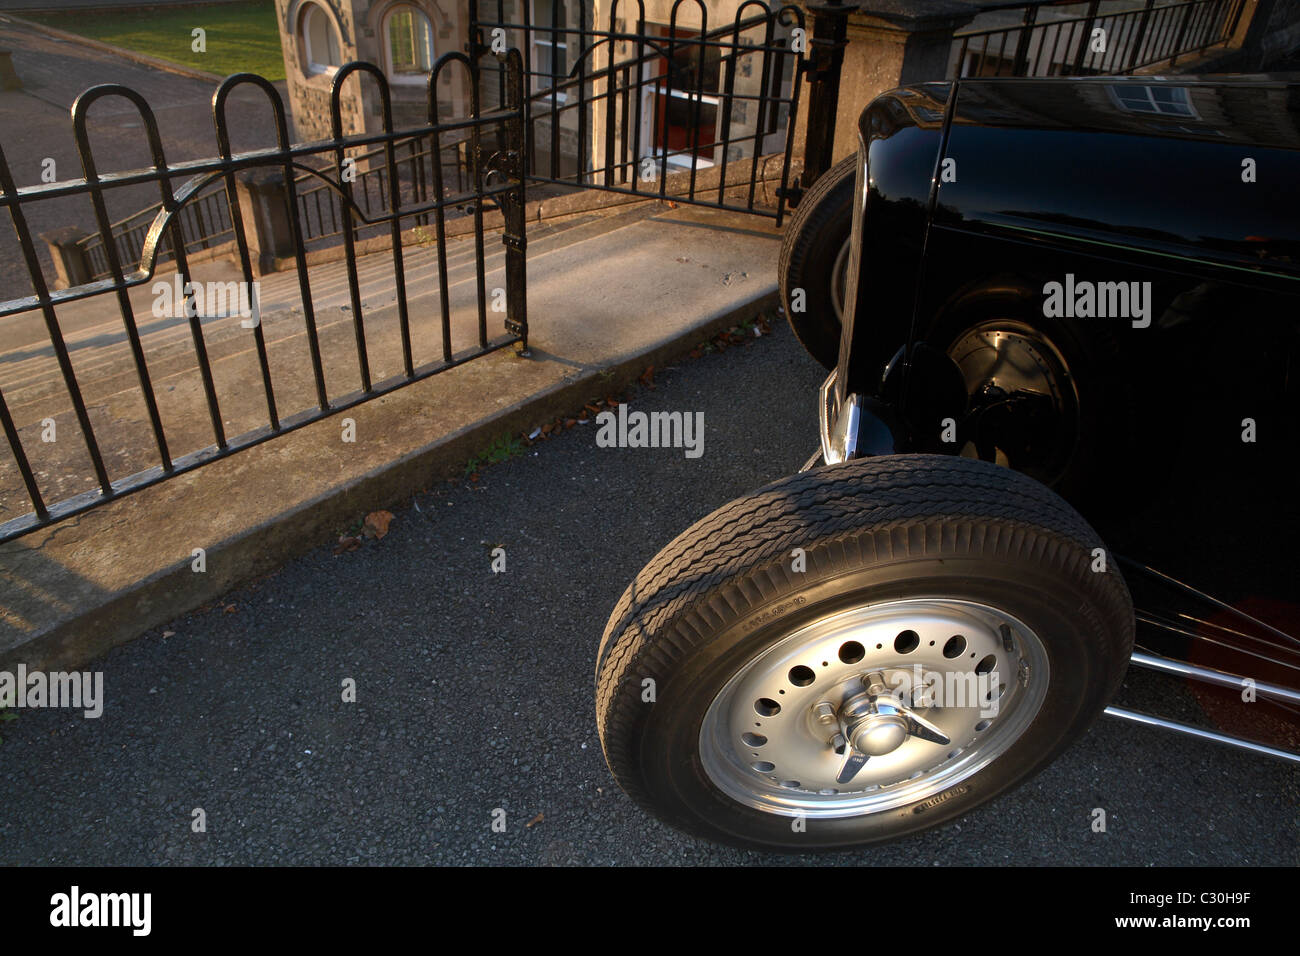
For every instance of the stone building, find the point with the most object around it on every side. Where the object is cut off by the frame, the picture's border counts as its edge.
(405, 38)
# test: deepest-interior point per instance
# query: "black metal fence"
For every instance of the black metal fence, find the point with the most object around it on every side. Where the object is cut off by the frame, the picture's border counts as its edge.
(493, 180)
(682, 110)
(1070, 38)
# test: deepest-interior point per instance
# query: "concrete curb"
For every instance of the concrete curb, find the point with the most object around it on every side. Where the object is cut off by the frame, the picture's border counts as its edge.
(126, 614)
(142, 58)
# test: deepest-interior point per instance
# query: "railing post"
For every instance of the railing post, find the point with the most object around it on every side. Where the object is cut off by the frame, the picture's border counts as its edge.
(70, 265)
(8, 76)
(513, 205)
(1022, 47)
(823, 66)
(1087, 38)
(1136, 46)
(1182, 32)
(264, 207)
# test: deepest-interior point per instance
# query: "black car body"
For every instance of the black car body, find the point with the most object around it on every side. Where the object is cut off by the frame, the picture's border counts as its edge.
(1173, 427)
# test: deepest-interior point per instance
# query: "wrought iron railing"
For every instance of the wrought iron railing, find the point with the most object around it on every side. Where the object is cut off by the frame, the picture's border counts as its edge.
(623, 108)
(493, 180)
(1069, 38)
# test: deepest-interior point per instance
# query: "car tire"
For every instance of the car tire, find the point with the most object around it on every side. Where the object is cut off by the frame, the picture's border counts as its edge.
(814, 256)
(715, 653)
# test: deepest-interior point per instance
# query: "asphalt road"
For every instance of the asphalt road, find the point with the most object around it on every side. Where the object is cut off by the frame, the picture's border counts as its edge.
(474, 692)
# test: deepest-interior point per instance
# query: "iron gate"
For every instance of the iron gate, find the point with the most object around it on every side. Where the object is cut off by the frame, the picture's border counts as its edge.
(678, 110)
(493, 145)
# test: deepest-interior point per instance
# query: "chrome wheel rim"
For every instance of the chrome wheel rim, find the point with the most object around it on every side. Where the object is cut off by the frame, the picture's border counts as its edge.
(781, 734)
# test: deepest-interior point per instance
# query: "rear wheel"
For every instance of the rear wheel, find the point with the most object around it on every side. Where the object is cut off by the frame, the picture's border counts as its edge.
(859, 652)
(815, 258)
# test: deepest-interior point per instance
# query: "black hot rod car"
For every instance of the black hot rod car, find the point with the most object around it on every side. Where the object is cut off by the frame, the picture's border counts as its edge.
(1038, 300)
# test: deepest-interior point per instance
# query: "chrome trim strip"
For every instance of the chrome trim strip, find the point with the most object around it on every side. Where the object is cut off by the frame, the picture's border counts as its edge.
(1211, 676)
(824, 398)
(838, 423)
(1148, 720)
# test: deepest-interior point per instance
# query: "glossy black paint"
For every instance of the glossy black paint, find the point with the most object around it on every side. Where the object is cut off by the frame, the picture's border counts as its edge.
(1135, 180)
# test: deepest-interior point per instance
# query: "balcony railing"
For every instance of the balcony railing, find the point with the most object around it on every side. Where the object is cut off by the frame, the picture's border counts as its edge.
(1069, 38)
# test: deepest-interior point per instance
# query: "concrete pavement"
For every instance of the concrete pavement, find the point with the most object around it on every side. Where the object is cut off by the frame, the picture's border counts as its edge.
(607, 297)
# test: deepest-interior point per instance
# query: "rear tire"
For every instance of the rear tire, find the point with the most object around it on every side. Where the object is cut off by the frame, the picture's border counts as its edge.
(701, 714)
(814, 257)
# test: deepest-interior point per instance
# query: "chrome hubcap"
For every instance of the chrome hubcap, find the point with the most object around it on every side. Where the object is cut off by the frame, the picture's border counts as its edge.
(874, 708)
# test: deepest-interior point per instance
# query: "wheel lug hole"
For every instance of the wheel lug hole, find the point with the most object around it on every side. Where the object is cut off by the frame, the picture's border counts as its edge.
(906, 642)
(802, 676)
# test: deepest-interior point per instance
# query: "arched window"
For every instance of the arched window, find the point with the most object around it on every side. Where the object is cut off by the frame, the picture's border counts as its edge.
(320, 42)
(408, 44)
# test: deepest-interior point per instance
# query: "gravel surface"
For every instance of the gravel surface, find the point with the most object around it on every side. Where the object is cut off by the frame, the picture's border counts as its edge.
(474, 692)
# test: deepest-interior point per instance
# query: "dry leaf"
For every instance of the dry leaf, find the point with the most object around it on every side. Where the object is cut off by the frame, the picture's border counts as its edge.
(347, 543)
(377, 523)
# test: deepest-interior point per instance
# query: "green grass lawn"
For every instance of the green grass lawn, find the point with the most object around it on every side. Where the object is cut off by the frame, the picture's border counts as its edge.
(241, 37)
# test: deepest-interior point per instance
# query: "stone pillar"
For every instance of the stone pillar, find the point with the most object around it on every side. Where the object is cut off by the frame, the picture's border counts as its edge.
(70, 265)
(264, 205)
(893, 43)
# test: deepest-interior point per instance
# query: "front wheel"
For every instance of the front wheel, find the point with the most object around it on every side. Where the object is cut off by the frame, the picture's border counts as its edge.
(859, 652)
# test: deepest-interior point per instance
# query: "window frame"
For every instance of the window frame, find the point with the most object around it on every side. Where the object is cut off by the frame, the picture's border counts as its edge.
(312, 66)
(409, 79)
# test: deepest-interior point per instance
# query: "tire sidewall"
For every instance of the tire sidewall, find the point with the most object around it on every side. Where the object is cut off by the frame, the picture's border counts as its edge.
(819, 229)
